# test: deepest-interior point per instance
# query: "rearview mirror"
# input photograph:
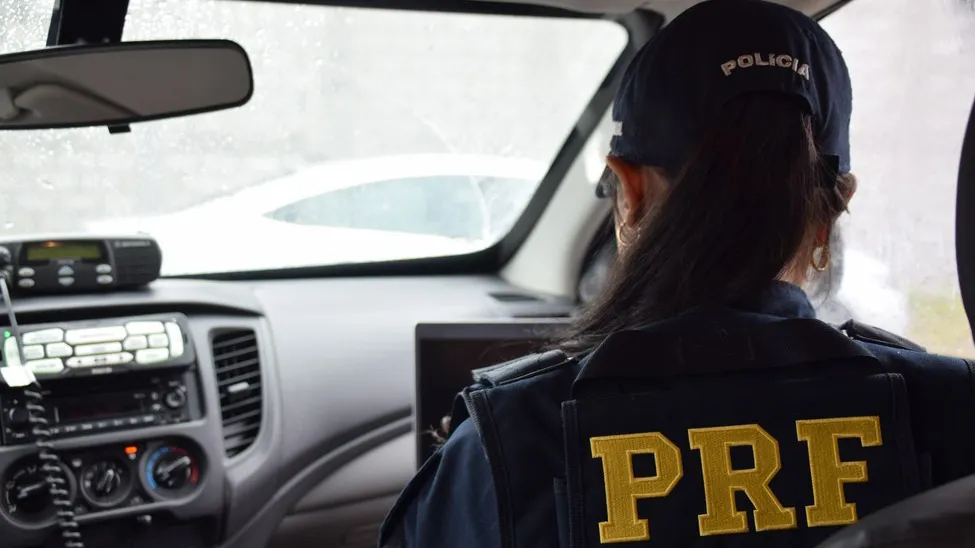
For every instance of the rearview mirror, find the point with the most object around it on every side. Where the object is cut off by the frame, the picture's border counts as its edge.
(122, 83)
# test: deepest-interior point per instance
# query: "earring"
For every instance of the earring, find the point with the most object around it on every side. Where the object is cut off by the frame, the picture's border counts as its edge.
(822, 263)
(627, 234)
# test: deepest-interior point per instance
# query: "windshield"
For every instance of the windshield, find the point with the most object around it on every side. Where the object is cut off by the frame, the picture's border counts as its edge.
(372, 135)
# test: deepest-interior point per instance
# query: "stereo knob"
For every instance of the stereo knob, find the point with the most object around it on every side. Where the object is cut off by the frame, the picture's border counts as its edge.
(175, 399)
(27, 495)
(171, 472)
(106, 483)
(18, 418)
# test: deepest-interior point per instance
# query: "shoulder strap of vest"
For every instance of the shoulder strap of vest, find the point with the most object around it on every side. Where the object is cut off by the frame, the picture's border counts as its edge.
(501, 374)
(519, 368)
(868, 333)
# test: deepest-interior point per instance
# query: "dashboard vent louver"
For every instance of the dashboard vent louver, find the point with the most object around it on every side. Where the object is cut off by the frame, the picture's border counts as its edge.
(238, 369)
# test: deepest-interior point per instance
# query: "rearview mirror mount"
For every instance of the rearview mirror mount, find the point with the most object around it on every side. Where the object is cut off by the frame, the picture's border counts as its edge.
(122, 83)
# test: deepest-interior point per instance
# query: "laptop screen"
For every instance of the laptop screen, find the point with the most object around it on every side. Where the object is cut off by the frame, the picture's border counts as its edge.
(446, 355)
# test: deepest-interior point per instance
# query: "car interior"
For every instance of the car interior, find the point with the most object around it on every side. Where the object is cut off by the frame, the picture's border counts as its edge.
(285, 398)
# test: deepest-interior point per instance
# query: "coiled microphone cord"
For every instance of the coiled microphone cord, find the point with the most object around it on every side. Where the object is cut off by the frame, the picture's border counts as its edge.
(51, 466)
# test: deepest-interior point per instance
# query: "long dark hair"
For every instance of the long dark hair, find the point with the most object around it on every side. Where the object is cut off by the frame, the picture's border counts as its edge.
(736, 216)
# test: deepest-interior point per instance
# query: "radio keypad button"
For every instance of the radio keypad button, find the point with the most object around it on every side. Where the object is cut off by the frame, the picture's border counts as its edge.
(25, 272)
(152, 355)
(175, 339)
(135, 342)
(159, 340)
(104, 279)
(104, 269)
(26, 283)
(43, 336)
(33, 352)
(10, 353)
(46, 366)
(144, 327)
(58, 350)
(115, 333)
(100, 348)
(100, 359)
(65, 271)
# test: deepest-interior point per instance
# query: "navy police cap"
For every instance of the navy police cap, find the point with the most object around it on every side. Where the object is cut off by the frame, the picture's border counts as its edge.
(718, 50)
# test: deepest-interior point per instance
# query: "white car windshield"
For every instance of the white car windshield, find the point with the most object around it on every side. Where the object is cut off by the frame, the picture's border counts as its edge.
(372, 135)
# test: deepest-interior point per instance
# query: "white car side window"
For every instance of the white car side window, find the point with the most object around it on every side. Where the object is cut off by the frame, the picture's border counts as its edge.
(445, 206)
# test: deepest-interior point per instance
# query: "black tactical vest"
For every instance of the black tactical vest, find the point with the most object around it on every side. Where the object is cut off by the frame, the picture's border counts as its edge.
(738, 430)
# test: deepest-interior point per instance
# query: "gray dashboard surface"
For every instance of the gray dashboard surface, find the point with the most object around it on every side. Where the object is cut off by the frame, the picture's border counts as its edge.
(337, 357)
(344, 355)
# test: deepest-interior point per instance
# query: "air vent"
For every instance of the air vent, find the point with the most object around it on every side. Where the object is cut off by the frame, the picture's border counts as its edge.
(515, 298)
(238, 369)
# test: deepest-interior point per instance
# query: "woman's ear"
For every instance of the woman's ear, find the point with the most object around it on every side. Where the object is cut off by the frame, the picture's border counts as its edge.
(631, 192)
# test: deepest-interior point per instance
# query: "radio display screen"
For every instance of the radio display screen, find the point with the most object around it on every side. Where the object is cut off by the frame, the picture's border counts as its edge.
(81, 410)
(54, 251)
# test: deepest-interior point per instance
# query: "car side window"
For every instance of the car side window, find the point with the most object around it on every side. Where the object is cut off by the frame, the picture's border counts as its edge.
(911, 100)
(448, 206)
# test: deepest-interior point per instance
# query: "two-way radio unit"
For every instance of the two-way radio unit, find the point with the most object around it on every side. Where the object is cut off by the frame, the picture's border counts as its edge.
(72, 264)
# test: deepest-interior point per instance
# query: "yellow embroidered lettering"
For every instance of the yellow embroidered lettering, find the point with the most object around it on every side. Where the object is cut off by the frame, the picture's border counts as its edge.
(829, 472)
(623, 489)
(721, 481)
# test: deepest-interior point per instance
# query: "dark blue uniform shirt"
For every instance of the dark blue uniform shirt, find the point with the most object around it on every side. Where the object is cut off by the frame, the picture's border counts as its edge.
(487, 490)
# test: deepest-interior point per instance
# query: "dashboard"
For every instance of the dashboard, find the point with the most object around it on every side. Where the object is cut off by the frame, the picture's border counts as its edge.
(238, 414)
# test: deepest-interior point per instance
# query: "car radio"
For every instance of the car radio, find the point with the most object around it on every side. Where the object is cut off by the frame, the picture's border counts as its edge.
(100, 375)
(97, 404)
(73, 264)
